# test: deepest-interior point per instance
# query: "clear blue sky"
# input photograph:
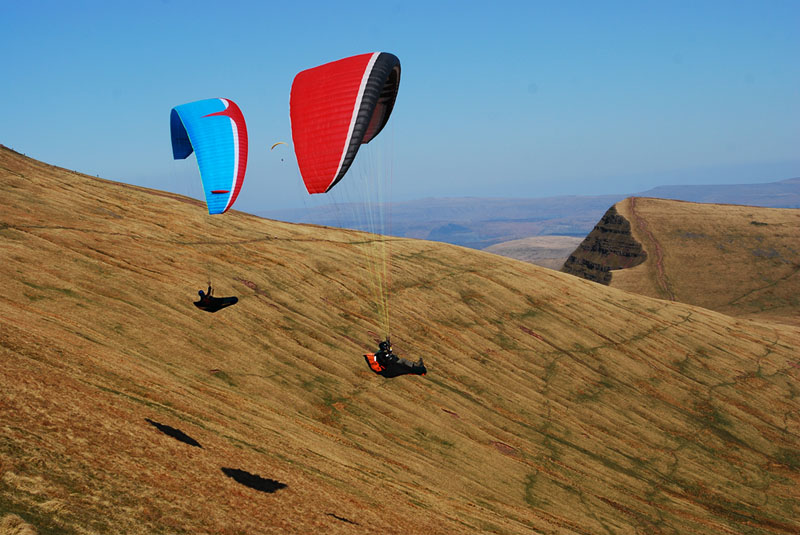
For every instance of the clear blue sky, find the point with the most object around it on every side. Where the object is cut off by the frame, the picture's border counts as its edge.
(504, 99)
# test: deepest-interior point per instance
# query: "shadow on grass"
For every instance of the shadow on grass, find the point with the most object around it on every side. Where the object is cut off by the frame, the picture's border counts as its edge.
(253, 481)
(177, 434)
(343, 519)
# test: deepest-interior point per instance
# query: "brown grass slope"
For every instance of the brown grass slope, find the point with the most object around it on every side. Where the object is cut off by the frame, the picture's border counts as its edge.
(740, 260)
(552, 405)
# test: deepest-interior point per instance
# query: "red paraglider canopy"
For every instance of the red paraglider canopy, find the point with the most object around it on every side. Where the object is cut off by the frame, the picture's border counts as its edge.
(336, 107)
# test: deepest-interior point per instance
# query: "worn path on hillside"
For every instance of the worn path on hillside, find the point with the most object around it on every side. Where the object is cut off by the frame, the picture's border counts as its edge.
(658, 253)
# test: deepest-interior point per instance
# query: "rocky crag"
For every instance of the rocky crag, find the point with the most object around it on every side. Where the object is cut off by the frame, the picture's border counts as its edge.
(609, 246)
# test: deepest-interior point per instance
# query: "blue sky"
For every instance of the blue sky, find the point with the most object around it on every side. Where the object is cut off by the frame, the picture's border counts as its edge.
(504, 99)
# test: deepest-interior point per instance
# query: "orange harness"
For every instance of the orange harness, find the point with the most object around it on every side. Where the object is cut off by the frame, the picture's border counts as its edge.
(373, 363)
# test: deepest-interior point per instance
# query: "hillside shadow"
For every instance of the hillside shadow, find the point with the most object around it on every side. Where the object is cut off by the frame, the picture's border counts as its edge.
(254, 481)
(177, 434)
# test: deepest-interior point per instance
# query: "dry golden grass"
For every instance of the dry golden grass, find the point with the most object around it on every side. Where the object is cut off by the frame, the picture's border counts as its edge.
(12, 524)
(552, 405)
(740, 260)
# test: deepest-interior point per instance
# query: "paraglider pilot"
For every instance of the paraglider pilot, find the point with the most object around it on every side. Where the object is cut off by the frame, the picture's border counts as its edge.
(209, 303)
(387, 359)
(205, 297)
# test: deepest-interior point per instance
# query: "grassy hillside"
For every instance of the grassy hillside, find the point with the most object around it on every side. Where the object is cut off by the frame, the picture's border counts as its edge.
(552, 405)
(740, 260)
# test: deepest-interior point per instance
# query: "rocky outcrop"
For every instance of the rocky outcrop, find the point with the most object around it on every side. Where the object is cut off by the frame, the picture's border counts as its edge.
(609, 246)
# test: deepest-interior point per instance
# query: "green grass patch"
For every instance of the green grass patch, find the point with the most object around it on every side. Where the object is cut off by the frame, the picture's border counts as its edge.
(789, 458)
(46, 288)
(550, 370)
(506, 342)
(528, 314)
(593, 391)
(129, 397)
(682, 365)
(318, 382)
(225, 378)
(423, 435)
(446, 386)
(531, 498)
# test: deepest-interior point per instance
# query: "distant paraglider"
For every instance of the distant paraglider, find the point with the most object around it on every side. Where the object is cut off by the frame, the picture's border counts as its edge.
(275, 145)
(214, 129)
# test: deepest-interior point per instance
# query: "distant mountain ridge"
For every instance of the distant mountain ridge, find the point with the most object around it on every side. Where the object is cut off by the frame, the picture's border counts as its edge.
(479, 222)
(782, 194)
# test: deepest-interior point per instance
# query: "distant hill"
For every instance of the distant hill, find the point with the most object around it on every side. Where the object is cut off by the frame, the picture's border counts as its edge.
(546, 251)
(783, 194)
(482, 222)
(552, 404)
(472, 222)
(740, 260)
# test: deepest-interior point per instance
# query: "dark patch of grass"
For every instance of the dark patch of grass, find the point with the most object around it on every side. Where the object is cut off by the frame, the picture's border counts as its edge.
(44, 288)
(89, 338)
(506, 342)
(466, 395)
(488, 527)
(528, 314)
(345, 329)
(45, 524)
(593, 391)
(715, 421)
(224, 377)
(458, 322)
(473, 383)
(789, 458)
(12, 234)
(317, 382)
(683, 365)
(243, 444)
(711, 416)
(551, 443)
(427, 436)
(334, 414)
(470, 297)
(129, 397)
(738, 514)
(550, 370)
(530, 491)
(702, 352)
